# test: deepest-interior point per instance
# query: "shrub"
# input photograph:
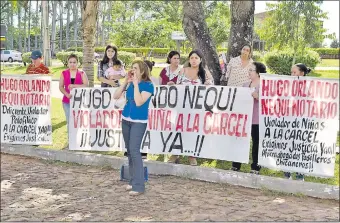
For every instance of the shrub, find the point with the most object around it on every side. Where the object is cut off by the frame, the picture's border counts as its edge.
(257, 56)
(63, 55)
(281, 62)
(326, 51)
(26, 57)
(72, 49)
(127, 58)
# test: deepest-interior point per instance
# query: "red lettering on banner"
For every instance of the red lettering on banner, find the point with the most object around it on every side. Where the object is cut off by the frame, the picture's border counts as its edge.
(159, 120)
(167, 126)
(106, 115)
(188, 129)
(225, 124)
(207, 119)
(231, 133)
(179, 124)
(99, 120)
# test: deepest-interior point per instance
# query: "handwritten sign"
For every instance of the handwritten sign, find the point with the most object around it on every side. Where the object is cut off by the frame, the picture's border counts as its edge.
(95, 121)
(298, 124)
(25, 109)
(203, 121)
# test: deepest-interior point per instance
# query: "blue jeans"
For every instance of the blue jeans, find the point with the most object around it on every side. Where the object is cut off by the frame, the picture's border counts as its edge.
(67, 114)
(133, 133)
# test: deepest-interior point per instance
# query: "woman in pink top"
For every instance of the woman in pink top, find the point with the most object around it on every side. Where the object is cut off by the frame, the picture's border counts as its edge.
(254, 74)
(69, 79)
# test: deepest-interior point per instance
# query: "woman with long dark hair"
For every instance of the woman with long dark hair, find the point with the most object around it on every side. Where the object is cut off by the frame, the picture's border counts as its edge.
(110, 57)
(194, 74)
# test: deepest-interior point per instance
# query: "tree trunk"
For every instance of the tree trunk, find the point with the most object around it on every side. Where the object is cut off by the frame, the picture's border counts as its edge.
(75, 23)
(54, 27)
(242, 26)
(29, 27)
(61, 25)
(100, 9)
(25, 33)
(68, 6)
(36, 26)
(41, 27)
(196, 30)
(102, 24)
(89, 18)
(19, 28)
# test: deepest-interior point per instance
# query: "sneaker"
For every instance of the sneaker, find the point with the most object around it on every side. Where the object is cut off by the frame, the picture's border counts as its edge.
(255, 172)
(173, 159)
(288, 175)
(235, 169)
(192, 161)
(135, 193)
(300, 176)
(128, 187)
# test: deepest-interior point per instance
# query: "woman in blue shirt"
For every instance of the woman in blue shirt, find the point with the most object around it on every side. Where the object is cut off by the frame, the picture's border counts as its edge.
(139, 90)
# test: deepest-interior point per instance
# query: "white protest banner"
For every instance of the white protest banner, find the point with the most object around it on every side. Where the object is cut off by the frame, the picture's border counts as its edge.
(299, 119)
(26, 109)
(95, 120)
(202, 121)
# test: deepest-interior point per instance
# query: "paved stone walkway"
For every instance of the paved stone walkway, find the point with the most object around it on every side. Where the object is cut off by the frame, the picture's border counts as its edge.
(40, 190)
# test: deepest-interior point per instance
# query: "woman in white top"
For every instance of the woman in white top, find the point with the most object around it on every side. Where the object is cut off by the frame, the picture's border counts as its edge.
(192, 75)
(238, 67)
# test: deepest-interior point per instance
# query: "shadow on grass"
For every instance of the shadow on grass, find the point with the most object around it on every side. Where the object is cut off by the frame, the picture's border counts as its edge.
(58, 126)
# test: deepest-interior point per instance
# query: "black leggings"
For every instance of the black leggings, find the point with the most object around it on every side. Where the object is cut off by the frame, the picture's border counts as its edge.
(255, 135)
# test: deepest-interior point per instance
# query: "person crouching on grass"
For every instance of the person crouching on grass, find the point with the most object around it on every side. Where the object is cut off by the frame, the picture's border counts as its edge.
(254, 74)
(139, 89)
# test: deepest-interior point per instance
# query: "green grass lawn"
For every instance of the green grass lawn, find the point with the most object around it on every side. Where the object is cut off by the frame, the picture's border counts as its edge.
(329, 63)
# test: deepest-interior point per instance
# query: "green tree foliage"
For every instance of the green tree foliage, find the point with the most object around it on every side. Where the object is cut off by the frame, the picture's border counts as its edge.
(218, 21)
(335, 44)
(294, 25)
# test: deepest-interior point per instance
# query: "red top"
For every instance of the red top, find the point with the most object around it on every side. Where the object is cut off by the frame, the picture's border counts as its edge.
(41, 69)
(166, 76)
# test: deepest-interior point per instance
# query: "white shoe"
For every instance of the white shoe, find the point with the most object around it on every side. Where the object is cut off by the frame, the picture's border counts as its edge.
(128, 187)
(135, 193)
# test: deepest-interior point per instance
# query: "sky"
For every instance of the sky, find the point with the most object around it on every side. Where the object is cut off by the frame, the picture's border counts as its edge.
(331, 24)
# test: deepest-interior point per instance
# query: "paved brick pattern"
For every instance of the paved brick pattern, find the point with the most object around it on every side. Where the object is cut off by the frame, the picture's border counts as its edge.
(40, 190)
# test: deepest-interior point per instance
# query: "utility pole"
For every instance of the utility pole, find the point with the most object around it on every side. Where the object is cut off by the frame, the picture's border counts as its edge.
(46, 36)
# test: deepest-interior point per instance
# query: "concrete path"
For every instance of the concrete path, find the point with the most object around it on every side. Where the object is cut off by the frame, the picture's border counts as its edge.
(40, 190)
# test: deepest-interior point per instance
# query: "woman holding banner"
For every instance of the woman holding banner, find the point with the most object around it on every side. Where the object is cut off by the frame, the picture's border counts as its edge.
(298, 70)
(192, 75)
(254, 74)
(71, 78)
(110, 57)
(139, 90)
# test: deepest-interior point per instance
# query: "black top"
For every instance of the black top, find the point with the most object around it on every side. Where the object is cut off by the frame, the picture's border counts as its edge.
(72, 80)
